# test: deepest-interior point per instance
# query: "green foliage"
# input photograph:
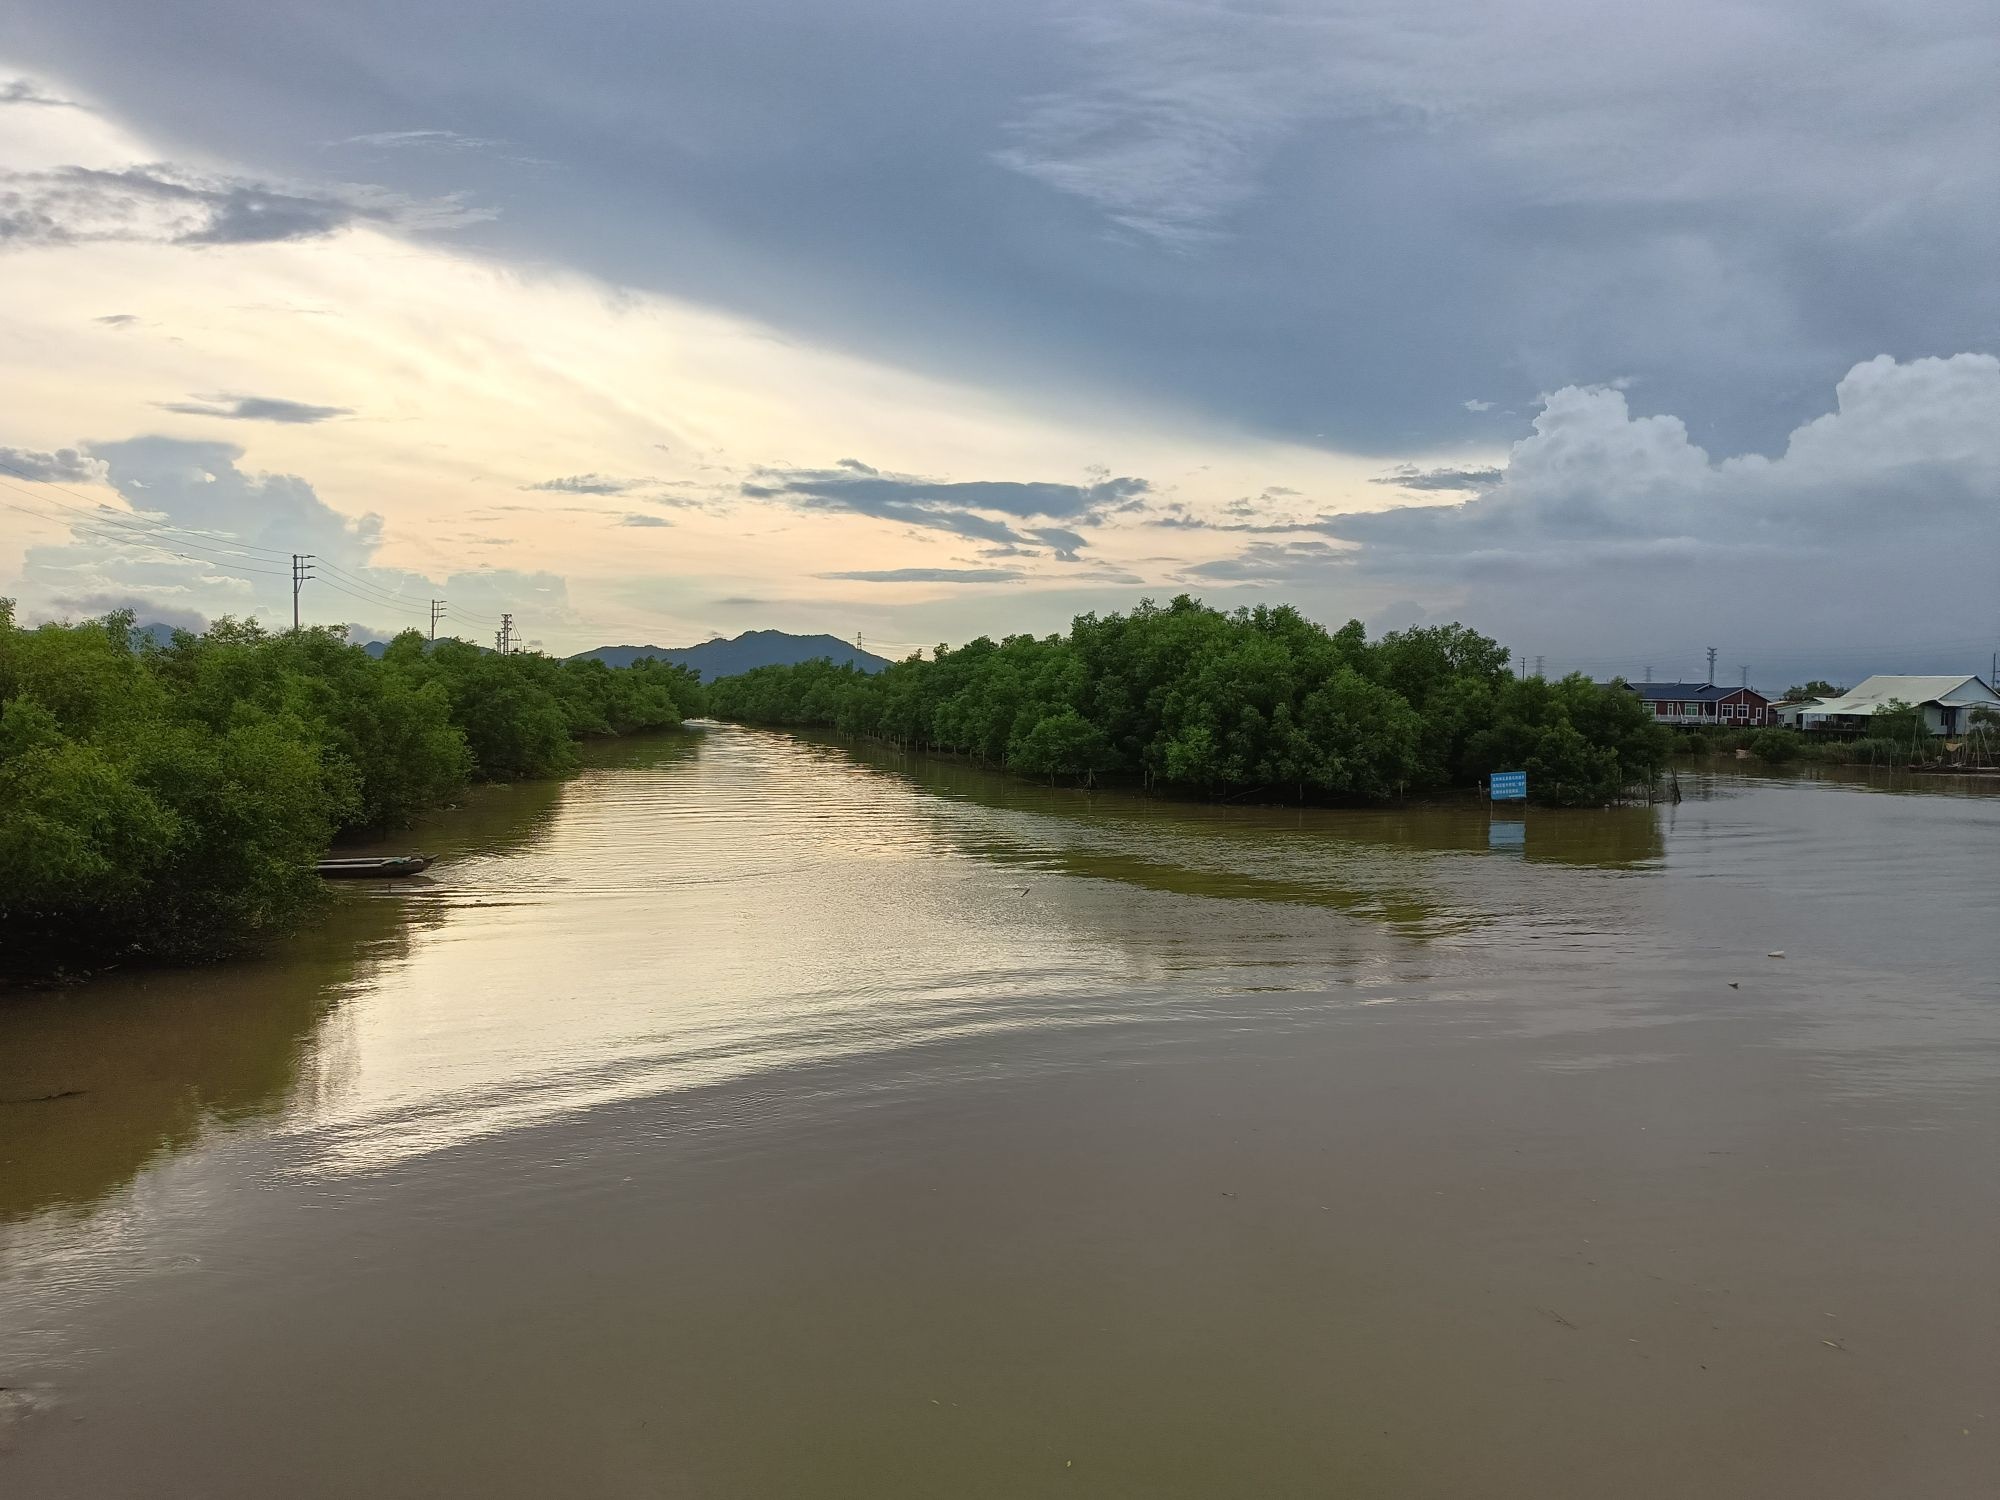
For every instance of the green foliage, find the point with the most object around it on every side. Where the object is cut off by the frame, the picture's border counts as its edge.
(172, 802)
(1258, 702)
(1899, 723)
(1819, 687)
(1777, 746)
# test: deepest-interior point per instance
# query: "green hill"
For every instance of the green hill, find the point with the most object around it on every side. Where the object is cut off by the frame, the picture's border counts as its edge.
(754, 648)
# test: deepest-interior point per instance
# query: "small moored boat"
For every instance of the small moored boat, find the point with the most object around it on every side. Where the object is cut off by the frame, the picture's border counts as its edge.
(382, 867)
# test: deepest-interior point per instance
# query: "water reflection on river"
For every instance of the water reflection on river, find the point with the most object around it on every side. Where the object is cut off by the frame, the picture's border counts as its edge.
(758, 1117)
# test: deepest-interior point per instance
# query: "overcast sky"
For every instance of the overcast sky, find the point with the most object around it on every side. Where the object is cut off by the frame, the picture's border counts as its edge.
(1615, 330)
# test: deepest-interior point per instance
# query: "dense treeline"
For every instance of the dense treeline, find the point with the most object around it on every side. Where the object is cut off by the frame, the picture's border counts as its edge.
(172, 801)
(1262, 702)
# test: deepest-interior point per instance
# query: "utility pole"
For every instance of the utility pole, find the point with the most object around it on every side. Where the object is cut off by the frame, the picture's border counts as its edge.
(437, 613)
(503, 638)
(1746, 676)
(1711, 666)
(301, 571)
(1521, 665)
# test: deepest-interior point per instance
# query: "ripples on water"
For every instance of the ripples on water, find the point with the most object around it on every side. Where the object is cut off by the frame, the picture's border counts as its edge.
(1295, 1132)
(711, 906)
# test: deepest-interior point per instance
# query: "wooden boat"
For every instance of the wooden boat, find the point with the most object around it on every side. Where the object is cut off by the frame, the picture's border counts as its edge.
(383, 867)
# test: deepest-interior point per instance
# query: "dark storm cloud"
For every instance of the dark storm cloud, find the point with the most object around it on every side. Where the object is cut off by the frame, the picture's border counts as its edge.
(1308, 217)
(928, 575)
(255, 409)
(166, 204)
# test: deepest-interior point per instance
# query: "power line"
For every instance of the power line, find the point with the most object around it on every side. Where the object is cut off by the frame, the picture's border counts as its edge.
(105, 530)
(123, 541)
(103, 514)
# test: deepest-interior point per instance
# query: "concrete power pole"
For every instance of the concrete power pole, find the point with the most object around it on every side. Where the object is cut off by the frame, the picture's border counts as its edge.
(301, 571)
(437, 613)
(1711, 666)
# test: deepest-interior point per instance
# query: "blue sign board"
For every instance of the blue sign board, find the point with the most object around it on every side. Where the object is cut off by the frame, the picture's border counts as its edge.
(1508, 786)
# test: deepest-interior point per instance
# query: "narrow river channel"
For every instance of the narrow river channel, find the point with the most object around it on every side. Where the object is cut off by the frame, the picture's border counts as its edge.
(754, 1117)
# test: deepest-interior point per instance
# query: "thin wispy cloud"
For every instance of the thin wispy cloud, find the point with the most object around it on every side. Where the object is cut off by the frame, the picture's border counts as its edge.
(21, 91)
(165, 204)
(980, 510)
(256, 409)
(1410, 477)
(587, 484)
(442, 143)
(426, 140)
(927, 575)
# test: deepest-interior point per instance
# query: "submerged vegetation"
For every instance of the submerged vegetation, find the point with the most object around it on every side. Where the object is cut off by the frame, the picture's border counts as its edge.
(1258, 703)
(171, 802)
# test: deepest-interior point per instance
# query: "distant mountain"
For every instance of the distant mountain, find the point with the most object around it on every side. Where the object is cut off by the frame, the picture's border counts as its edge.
(753, 648)
(163, 635)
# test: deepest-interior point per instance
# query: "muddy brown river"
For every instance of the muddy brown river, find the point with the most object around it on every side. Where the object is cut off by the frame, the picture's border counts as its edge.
(752, 1117)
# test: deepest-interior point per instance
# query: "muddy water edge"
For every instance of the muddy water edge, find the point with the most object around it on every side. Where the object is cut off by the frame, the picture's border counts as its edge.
(755, 1116)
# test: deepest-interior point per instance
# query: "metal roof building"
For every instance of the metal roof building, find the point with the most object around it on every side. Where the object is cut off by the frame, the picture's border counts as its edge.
(1947, 702)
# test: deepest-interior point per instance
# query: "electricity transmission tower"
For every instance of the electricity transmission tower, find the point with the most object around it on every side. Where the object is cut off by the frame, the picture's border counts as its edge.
(301, 571)
(503, 638)
(1711, 664)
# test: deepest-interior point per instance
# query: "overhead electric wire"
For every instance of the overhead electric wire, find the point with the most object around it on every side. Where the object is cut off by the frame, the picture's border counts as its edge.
(380, 595)
(129, 541)
(105, 530)
(359, 598)
(102, 514)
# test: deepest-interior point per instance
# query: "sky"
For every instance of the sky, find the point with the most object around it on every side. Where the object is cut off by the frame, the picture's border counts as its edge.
(1616, 331)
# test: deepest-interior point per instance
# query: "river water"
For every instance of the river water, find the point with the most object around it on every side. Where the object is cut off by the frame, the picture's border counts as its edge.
(757, 1117)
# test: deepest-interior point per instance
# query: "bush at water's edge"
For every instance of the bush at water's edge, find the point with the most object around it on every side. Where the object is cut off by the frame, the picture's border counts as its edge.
(1261, 702)
(170, 802)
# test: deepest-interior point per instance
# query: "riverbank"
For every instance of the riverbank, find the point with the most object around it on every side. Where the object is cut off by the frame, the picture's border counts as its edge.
(171, 803)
